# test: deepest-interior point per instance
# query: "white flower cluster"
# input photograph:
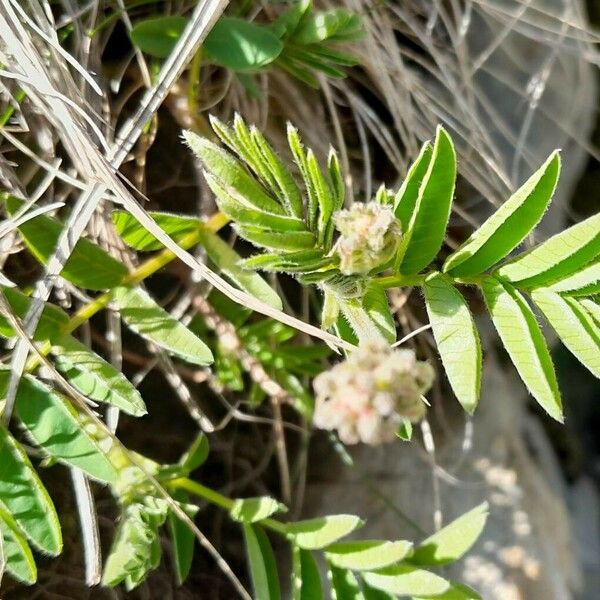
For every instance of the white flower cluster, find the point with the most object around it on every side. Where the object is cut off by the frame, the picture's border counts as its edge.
(367, 396)
(370, 236)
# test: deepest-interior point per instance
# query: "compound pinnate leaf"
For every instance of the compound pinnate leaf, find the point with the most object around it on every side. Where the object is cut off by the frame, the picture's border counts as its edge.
(16, 551)
(521, 336)
(556, 258)
(56, 427)
(251, 510)
(25, 496)
(456, 337)
(89, 266)
(315, 534)
(366, 555)
(53, 318)
(94, 377)
(139, 238)
(406, 198)
(261, 560)
(509, 225)
(427, 228)
(306, 581)
(451, 542)
(147, 319)
(575, 327)
(406, 580)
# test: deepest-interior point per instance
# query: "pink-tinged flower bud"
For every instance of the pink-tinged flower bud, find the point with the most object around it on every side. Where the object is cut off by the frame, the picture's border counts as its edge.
(370, 235)
(367, 396)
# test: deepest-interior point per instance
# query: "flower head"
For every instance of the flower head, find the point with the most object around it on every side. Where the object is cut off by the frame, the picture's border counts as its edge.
(370, 236)
(367, 396)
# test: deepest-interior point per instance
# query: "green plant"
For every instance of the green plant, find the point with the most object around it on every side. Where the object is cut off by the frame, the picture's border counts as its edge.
(293, 220)
(300, 41)
(394, 241)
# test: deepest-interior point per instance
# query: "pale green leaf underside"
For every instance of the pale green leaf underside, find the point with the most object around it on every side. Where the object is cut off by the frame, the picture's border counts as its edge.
(315, 534)
(150, 321)
(573, 325)
(560, 256)
(585, 282)
(456, 338)
(366, 555)
(251, 510)
(452, 541)
(261, 560)
(427, 229)
(406, 580)
(25, 496)
(17, 553)
(54, 425)
(406, 198)
(509, 225)
(376, 305)
(592, 308)
(524, 342)
(227, 259)
(94, 377)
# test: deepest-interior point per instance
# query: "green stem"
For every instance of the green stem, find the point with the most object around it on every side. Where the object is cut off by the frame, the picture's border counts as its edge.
(194, 83)
(214, 497)
(197, 489)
